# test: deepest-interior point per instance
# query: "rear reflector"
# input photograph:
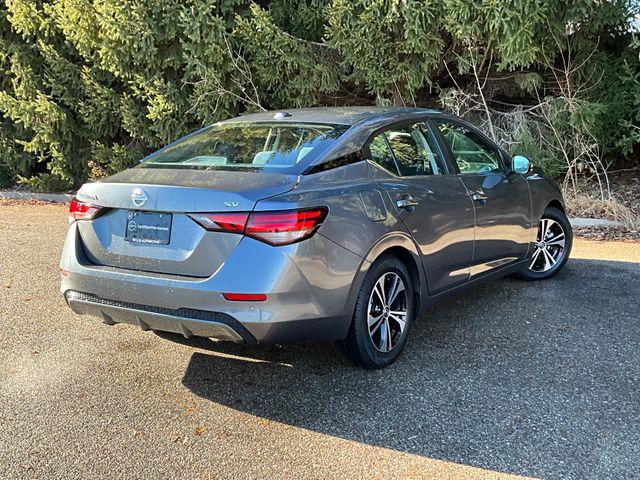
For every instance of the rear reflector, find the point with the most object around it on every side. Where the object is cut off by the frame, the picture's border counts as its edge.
(245, 297)
(64, 273)
(82, 211)
(281, 227)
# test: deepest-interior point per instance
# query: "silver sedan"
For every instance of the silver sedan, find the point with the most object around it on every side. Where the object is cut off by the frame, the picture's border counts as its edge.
(318, 224)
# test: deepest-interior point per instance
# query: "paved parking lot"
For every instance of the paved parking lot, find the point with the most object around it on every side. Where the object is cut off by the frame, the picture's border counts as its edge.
(511, 380)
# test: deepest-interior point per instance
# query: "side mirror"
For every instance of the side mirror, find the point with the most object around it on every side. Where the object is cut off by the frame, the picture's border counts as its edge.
(521, 164)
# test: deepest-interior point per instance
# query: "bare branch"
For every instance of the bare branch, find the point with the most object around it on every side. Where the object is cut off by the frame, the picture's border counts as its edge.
(241, 78)
(476, 75)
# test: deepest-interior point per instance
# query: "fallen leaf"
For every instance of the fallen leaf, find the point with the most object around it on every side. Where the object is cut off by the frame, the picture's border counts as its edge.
(207, 475)
(188, 408)
(175, 437)
(199, 431)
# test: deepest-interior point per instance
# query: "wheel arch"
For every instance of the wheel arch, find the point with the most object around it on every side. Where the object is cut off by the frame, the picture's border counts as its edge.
(541, 205)
(559, 217)
(409, 261)
(402, 247)
(555, 203)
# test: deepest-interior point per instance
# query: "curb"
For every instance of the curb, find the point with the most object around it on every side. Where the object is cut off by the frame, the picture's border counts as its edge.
(593, 222)
(46, 197)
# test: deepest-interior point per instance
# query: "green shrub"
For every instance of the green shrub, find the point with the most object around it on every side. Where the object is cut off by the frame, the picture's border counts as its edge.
(527, 143)
(45, 182)
(87, 87)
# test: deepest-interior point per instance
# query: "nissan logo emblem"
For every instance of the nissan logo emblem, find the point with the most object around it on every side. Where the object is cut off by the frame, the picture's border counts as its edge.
(138, 197)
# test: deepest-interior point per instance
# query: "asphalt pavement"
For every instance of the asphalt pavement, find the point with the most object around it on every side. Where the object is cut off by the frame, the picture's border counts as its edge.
(512, 379)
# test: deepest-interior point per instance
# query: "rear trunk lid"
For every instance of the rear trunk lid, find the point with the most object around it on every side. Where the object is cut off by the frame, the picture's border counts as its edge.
(190, 249)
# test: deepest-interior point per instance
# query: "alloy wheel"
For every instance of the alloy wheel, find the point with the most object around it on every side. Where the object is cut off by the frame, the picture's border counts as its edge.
(387, 312)
(549, 246)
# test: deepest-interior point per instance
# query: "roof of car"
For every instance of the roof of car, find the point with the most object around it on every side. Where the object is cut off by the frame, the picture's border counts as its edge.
(331, 115)
(361, 122)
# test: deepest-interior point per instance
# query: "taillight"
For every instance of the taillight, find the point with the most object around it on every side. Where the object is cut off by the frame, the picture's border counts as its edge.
(82, 211)
(281, 227)
(222, 222)
(285, 227)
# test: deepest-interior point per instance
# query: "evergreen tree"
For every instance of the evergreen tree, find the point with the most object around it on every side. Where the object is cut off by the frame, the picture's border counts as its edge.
(90, 86)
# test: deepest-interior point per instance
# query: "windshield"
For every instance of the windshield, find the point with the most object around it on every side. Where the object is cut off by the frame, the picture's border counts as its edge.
(247, 146)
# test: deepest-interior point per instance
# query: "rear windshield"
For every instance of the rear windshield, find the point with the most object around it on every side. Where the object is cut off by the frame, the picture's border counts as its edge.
(248, 146)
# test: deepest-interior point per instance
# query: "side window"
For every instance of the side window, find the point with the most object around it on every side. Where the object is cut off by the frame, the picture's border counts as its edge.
(381, 154)
(415, 153)
(470, 152)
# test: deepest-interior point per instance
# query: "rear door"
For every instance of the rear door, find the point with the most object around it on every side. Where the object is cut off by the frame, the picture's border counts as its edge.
(432, 203)
(501, 199)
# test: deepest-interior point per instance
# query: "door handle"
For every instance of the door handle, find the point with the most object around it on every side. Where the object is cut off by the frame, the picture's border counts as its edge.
(407, 202)
(479, 196)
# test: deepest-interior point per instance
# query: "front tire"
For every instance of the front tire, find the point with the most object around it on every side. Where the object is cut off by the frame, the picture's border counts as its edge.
(552, 246)
(383, 315)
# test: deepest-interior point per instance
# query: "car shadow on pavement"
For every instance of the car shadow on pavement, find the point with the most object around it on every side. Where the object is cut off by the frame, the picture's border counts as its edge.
(525, 378)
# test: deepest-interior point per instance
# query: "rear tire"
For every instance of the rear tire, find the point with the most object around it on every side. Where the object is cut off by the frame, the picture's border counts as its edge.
(552, 247)
(383, 315)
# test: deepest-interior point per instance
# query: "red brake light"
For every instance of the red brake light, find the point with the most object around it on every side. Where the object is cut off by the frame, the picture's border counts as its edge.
(285, 227)
(272, 227)
(222, 222)
(82, 211)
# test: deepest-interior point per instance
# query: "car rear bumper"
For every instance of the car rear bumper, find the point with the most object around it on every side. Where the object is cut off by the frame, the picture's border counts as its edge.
(307, 295)
(200, 323)
(188, 322)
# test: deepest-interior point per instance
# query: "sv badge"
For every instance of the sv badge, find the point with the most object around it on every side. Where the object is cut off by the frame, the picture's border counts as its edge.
(231, 204)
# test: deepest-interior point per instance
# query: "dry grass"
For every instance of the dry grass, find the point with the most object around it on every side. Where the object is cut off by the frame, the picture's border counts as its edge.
(587, 204)
(12, 202)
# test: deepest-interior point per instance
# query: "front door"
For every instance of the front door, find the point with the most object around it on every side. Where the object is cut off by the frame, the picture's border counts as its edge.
(501, 199)
(432, 203)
